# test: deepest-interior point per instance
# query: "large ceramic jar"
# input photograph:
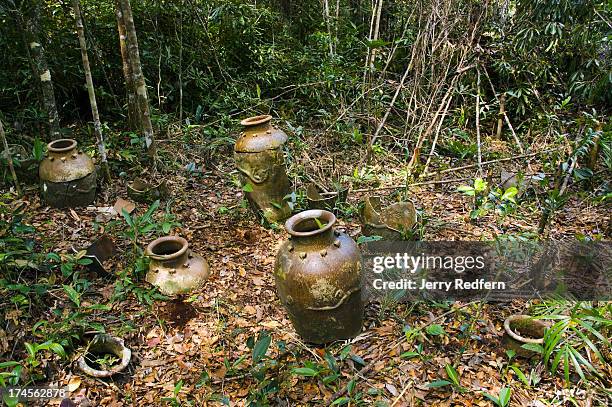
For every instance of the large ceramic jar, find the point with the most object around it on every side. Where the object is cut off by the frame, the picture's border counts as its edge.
(258, 153)
(319, 278)
(67, 176)
(173, 268)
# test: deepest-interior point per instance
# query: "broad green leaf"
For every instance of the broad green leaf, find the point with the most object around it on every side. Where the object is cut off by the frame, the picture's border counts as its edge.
(340, 401)
(491, 397)
(435, 330)
(534, 347)
(248, 187)
(261, 346)
(57, 349)
(438, 383)
(520, 374)
(466, 189)
(480, 185)
(509, 194)
(127, 217)
(504, 396)
(304, 371)
(30, 348)
(351, 386)
(452, 374)
(409, 355)
(358, 359)
(72, 294)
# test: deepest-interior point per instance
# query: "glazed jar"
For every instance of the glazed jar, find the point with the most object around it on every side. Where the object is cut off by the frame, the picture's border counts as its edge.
(258, 153)
(67, 176)
(319, 278)
(173, 268)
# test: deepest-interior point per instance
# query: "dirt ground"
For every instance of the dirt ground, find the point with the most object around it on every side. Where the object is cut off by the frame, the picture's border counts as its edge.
(200, 339)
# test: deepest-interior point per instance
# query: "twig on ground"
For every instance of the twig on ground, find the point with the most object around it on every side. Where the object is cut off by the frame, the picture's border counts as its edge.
(399, 397)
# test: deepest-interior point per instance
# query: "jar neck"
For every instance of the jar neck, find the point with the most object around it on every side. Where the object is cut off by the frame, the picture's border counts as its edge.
(258, 128)
(315, 242)
(66, 153)
(173, 262)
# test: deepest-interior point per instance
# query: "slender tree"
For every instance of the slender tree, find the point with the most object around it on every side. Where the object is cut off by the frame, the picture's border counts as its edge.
(137, 75)
(90, 89)
(42, 70)
(132, 102)
(9, 159)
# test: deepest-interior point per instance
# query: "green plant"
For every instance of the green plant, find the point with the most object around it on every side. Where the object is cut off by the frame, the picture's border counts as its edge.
(576, 337)
(485, 200)
(532, 380)
(174, 401)
(139, 226)
(453, 379)
(553, 202)
(505, 394)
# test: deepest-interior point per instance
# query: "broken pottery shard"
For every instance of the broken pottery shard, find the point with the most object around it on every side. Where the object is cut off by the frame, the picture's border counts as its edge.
(142, 191)
(390, 222)
(330, 202)
(521, 330)
(101, 345)
(124, 204)
(99, 251)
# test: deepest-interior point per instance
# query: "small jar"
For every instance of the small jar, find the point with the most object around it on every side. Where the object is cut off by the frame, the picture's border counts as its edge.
(173, 268)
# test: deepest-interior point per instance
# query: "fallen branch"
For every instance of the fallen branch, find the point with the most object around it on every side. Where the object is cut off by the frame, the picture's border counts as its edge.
(444, 181)
(499, 160)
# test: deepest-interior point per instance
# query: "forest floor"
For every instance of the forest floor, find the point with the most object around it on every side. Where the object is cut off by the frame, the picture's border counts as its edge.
(195, 350)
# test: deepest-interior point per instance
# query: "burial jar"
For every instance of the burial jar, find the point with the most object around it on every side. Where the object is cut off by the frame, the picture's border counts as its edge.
(258, 153)
(173, 268)
(67, 175)
(319, 278)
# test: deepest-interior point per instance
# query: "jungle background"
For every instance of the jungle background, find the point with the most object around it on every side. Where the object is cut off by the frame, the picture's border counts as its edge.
(427, 100)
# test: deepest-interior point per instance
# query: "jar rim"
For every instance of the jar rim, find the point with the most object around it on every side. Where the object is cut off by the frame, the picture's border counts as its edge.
(292, 222)
(255, 120)
(150, 251)
(510, 331)
(62, 145)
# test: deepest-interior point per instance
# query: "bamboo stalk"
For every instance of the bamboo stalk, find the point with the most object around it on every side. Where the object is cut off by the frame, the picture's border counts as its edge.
(478, 121)
(90, 90)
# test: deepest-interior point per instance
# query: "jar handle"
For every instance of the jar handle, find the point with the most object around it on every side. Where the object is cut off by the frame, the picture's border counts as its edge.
(333, 307)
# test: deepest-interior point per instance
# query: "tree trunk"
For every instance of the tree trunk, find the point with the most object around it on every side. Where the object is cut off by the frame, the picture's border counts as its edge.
(9, 159)
(137, 76)
(43, 72)
(90, 89)
(132, 104)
